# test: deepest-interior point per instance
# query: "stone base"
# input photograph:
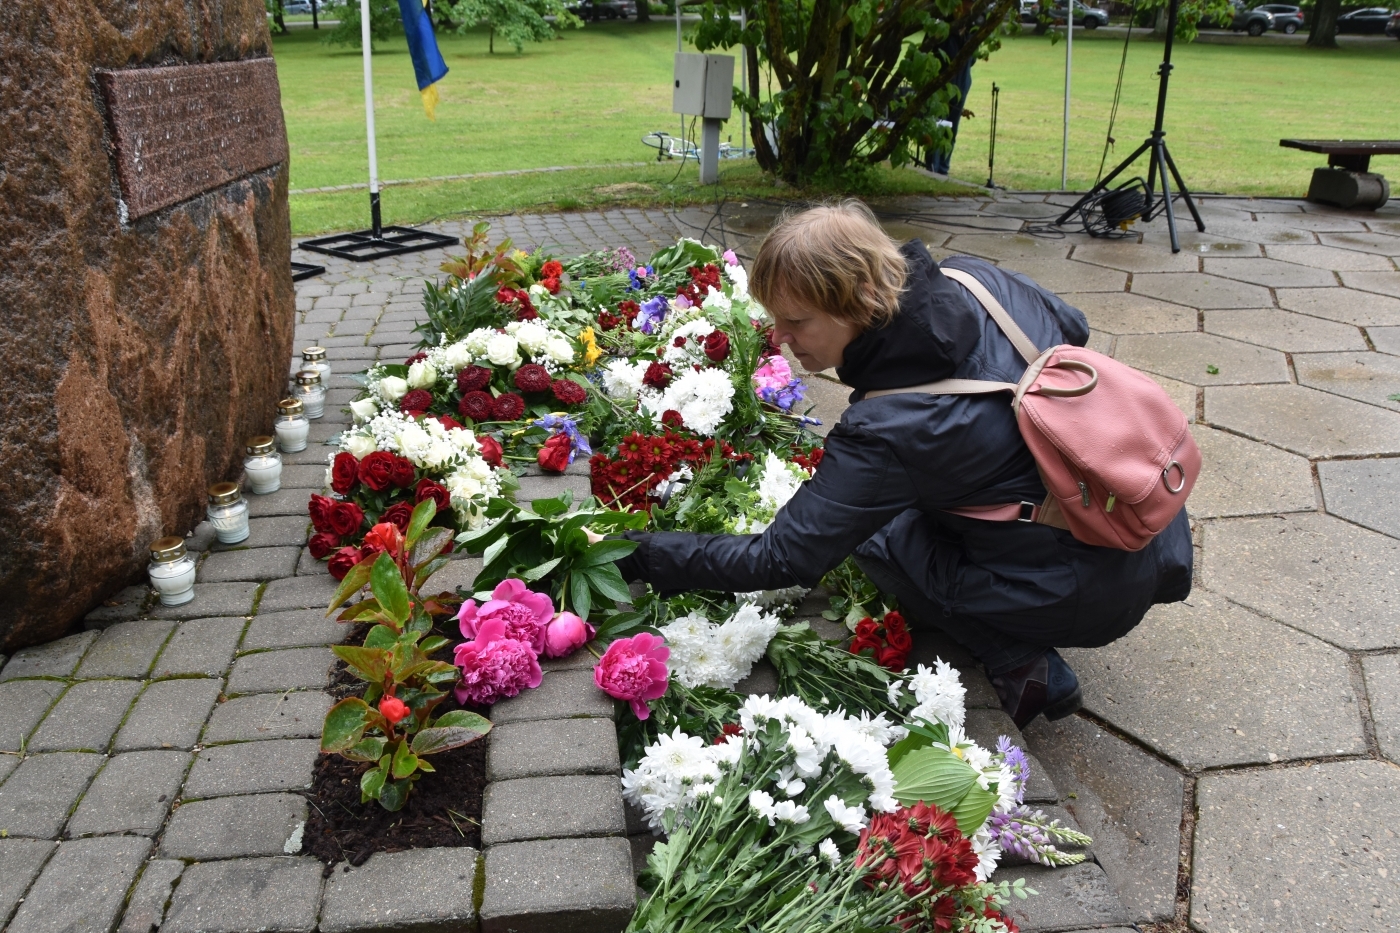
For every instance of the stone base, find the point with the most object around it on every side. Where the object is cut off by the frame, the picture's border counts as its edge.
(1364, 190)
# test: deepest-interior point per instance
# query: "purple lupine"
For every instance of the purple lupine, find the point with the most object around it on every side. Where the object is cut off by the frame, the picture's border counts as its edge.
(1032, 835)
(1017, 763)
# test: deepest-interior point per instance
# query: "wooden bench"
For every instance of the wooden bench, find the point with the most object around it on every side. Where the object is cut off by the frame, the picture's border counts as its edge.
(1347, 181)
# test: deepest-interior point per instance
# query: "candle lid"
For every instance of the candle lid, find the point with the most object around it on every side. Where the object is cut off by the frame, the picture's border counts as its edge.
(313, 354)
(224, 493)
(308, 377)
(290, 406)
(260, 446)
(164, 550)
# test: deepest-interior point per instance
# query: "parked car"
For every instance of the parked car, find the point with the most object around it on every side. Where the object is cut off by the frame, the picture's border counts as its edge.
(1287, 19)
(1256, 22)
(1392, 28)
(599, 9)
(1371, 20)
(1030, 11)
(1086, 16)
(299, 6)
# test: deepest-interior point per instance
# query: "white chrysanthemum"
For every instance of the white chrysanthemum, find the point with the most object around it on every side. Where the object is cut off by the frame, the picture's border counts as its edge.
(702, 397)
(761, 802)
(851, 819)
(786, 811)
(739, 278)
(988, 852)
(716, 300)
(940, 693)
(503, 350)
(828, 850)
(623, 380)
(392, 388)
(718, 655)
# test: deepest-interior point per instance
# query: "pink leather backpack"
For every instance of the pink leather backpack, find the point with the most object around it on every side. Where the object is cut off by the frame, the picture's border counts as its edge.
(1114, 451)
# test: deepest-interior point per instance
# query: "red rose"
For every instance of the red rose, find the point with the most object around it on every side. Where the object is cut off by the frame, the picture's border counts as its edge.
(672, 418)
(490, 449)
(418, 357)
(416, 402)
(402, 472)
(891, 658)
(551, 285)
(323, 543)
(346, 518)
(867, 628)
(427, 489)
(448, 422)
(865, 643)
(320, 508)
(532, 377)
(345, 473)
(377, 470)
(658, 375)
(393, 710)
(569, 392)
(554, 455)
(505, 295)
(343, 561)
(473, 379)
(476, 405)
(507, 407)
(717, 346)
(897, 633)
(399, 515)
(552, 269)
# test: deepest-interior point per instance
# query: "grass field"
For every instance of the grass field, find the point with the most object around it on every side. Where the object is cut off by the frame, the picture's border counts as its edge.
(586, 99)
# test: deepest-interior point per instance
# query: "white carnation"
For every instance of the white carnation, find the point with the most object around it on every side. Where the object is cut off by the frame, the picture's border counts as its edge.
(623, 380)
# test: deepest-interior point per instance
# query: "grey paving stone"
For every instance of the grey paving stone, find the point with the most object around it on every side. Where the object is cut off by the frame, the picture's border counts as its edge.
(416, 891)
(253, 768)
(1309, 833)
(36, 798)
(1284, 330)
(552, 808)
(306, 564)
(1363, 491)
(580, 885)
(308, 477)
(24, 703)
(1314, 572)
(1195, 290)
(279, 530)
(564, 746)
(1069, 898)
(1330, 258)
(268, 895)
(269, 716)
(1134, 257)
(1207, 684)
(86, 718)
(1009, 248)
(1190, 358)
(295, 629)
(131, 795)
(1348, 306)
(274, 671)
(285, 501)
(931, 645)
(20, 861)
(146, 907)
(1305, 421)
(1128, 801)
(313, 592)
(8, 763)
(561, 695)
(125, 650)
(201, 646)
(1386, 339)
(1069, 276)
(212, 599)
(1383, 690)
(235, 827)
(1365, 376)
(169, 714)
(55, 659)
(1270, 273)
(83, 886)
(253, 564)
(1379, 243)
(458, 574)
(1385, 283)
(987, 726)
(128, 604)
(1243, 477)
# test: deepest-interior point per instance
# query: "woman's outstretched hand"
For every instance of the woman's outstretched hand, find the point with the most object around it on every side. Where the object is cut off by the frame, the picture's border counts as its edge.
(593, 536)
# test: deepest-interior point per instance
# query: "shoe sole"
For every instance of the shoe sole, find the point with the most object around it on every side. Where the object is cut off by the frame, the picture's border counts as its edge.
(1068, 706)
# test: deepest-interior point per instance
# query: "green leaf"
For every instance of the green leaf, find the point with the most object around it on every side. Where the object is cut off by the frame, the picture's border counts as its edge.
(370, 748)
(933, 775)
(354, 581)
(558, 505)
(405, 762)
(435, 643)
(974, 809)
(394, 794)
(423, 513)
(381, 636)
(607, 551)
(449, 732)
(489, 556)
(535, 573)
(345, 724)
(424, 571)
(387, 584)
(372, 781)
(580, 594)
(430, 546)
(369, 663)
(607, 579)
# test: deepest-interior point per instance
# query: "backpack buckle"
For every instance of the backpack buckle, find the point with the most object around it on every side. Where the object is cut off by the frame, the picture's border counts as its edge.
(1028, 512)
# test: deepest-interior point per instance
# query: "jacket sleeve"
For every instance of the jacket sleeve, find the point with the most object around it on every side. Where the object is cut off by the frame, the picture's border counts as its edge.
(1073, 324)
(860, 487)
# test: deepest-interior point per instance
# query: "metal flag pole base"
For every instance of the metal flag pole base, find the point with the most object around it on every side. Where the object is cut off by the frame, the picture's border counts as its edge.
(1160, 161)
(379, 241)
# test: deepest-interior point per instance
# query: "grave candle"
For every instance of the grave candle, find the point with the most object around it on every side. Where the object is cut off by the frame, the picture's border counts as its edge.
(171, 571)
(291, 425)
(228, 513)
(311, 393)
(315, 358)
(262, 466)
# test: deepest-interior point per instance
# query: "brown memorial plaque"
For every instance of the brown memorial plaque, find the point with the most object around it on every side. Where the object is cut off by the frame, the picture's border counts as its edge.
(183, 130)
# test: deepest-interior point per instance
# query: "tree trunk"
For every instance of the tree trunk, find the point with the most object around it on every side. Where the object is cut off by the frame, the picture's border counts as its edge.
(1159, 25)
(315, 17)
(277, 18)
(1324, 25)
(643, 11)
(491, 42)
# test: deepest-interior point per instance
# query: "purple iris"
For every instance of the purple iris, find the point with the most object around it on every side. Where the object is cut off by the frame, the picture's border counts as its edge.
(563, 424)
(652, 314)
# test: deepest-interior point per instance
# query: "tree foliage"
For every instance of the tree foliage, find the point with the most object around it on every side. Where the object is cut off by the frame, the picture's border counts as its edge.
(383, 22)
(516, 21)
(838, 86)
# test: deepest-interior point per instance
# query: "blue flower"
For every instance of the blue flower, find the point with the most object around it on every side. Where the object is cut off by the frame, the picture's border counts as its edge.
(786, 397)
(652, 314)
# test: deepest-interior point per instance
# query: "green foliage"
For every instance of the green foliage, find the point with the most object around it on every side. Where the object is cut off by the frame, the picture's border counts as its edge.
(854, 596)
(383, 22)
(516, 21)
(937, 776)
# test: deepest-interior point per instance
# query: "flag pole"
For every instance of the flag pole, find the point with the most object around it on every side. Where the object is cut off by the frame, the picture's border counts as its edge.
(376, 223)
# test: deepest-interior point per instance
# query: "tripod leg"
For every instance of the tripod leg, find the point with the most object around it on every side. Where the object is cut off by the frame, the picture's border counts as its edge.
(1122, 167)
(1181, 186)
(1159, 153)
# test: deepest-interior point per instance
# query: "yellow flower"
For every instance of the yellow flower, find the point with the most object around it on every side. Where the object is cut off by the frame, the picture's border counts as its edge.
(591, 352)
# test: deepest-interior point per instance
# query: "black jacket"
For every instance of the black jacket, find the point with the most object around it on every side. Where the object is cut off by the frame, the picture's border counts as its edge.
(895, 453)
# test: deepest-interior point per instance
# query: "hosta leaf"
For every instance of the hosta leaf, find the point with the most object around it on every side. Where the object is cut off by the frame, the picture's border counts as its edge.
(974, 809)
(933, 775)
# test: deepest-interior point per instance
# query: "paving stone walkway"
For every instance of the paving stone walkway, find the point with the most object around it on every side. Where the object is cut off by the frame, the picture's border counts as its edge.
(1236, 760)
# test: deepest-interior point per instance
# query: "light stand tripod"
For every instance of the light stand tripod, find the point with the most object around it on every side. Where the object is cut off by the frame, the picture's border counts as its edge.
(1160, 160)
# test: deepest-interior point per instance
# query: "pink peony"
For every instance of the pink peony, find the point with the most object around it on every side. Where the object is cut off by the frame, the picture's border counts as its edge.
(494, 666)
(730, 259)
(565, 634)
(634, 669)
(524, 613)
(775, 373)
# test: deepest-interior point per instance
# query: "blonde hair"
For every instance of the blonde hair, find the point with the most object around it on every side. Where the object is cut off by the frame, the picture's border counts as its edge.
(835, 258)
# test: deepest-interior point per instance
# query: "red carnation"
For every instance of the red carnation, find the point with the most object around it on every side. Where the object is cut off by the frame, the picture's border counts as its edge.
(343, 561)
(346, 518)
(717, 346)
(377, 470)
(628, 310)
(507, 407)
(321, 508)
(393, 710)
(418, 357)
(658, 375)
(554, 455)
(490, 449)
(532, 377)
(416, 402)
(552, 269)
(427, 489)
(672, 418)
(399, 515)
(323, 543)
(403, 472)
(726, 730)
(475, 405)
(345, 473)
(568, 392)
(473, 379)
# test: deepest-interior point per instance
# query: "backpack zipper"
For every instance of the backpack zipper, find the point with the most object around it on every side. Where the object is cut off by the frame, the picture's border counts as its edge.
(1084, 493)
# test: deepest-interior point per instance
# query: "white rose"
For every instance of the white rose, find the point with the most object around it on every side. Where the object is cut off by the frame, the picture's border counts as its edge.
(457, 356)
(392, 388)
(361, 445)
(503, 350)
(364, 409)
(532, 336)
(421, 375)
(559, 350)
(538, 292)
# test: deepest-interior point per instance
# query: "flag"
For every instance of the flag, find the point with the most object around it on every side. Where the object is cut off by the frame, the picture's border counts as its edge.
(428, 66)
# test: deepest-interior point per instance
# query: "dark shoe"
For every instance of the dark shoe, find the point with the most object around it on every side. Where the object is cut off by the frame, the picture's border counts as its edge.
(1046, 685)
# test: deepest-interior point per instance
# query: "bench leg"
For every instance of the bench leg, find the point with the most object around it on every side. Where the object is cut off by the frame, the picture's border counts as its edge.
(1347, 189)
